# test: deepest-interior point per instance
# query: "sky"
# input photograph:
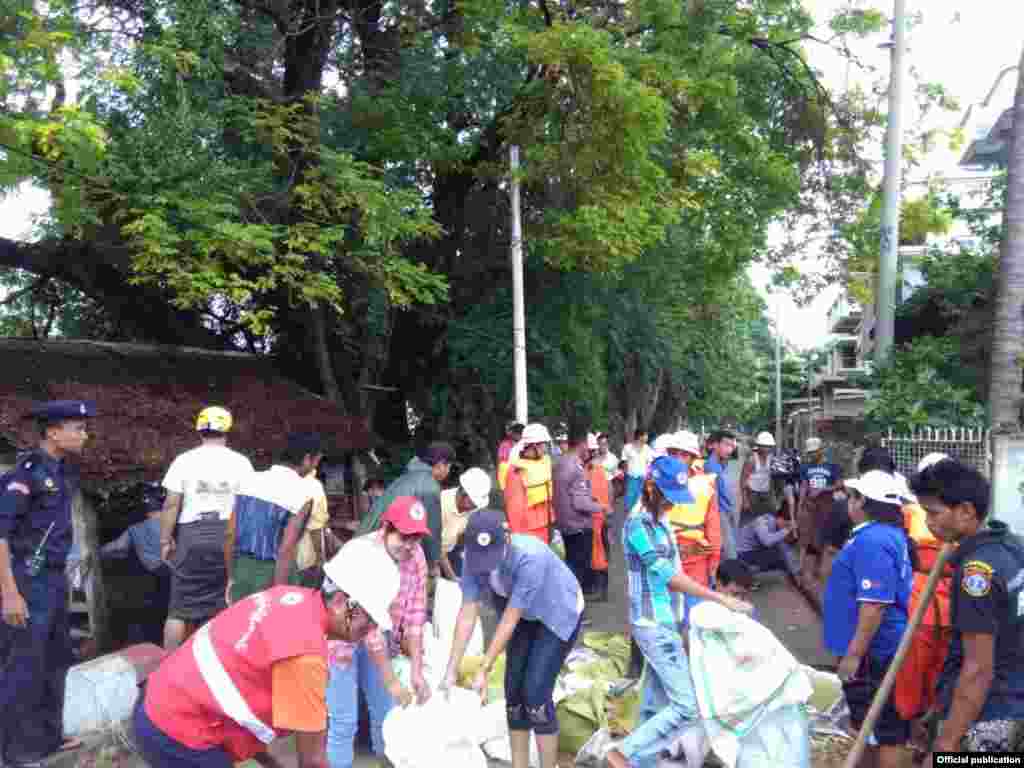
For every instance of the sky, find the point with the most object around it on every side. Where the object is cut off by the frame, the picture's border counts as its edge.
(963, 45)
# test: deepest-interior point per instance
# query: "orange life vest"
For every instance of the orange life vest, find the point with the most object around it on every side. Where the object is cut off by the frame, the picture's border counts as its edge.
(528, 504)
(601, 491)
(914, 691)
(689, 521)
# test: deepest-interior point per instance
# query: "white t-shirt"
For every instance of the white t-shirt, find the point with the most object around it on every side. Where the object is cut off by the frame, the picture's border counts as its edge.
(207, 477)
(637, 460)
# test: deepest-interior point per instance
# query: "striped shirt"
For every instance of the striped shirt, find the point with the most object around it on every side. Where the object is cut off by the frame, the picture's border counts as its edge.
(408, 611)
(652, 559)
(264, 506)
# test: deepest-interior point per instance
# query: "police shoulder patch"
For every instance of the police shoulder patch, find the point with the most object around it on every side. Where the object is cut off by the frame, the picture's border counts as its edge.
(977, 578)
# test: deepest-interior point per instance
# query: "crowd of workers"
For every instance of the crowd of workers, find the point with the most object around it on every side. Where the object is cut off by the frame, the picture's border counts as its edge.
(274, 627)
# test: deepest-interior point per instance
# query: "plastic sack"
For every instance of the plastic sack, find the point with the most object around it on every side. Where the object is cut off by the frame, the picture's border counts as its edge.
(447, 602)
(444, 731)
(591, 754)
(495, 679)
(580, 716)
(609, 645)
(781, 740)
(623, 710)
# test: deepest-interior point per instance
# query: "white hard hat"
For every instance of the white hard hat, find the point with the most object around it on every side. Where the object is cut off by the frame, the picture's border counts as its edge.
(477, 485)
(931, 459)
(878, 485)
(662, 443)
(592, 441)
(906, 494)
(687, 441)
(813, 444)
(365, 572)
(535, 433)
(766, 440)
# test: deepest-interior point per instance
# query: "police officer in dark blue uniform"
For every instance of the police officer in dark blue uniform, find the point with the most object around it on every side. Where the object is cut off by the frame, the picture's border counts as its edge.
(35, 538)
(981, 690)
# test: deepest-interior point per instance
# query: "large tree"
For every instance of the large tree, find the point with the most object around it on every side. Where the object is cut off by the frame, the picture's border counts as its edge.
(324, 180)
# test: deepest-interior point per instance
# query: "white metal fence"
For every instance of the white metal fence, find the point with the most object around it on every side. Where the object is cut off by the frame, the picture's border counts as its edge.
(971, 446)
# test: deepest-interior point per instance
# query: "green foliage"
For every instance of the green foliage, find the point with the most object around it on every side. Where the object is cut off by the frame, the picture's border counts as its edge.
(923, 385)
(860, 22)
(248, 175)
(41, 307)
(919, 218)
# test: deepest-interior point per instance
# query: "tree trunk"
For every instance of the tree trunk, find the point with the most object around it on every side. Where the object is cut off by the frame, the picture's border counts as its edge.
(1008, 317)
(324, 364)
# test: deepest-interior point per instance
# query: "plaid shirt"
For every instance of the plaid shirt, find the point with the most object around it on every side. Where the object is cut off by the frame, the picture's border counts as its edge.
(652, 559)
(408, 611)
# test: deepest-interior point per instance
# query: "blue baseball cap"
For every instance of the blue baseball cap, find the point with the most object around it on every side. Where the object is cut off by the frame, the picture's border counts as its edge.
(670, 475)
(484, 541)
(63, 410)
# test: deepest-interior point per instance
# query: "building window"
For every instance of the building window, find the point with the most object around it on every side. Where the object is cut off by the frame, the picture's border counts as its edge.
(847, 357)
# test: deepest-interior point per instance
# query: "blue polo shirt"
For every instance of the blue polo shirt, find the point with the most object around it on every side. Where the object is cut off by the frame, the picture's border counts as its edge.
(726, 503)
(873, 566)
(533, 579)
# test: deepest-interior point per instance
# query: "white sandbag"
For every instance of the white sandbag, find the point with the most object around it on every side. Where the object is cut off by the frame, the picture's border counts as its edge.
(781, 740)
(444, 731)
(591, 754)
(447, 602)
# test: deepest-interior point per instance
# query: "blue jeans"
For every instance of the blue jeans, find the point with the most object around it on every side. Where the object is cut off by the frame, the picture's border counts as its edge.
(161, 751)
(668, 699)
(343, 689)
(533, 659)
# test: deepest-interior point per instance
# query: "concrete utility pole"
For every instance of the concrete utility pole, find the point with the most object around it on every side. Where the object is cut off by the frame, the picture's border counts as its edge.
(885, 300)
(518, 301)
(778, 371)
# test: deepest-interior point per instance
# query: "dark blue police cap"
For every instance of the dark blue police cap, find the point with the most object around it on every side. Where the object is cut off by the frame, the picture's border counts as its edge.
(63, 410)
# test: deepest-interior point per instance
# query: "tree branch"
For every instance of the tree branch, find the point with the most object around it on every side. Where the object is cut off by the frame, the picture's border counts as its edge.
(36, 284)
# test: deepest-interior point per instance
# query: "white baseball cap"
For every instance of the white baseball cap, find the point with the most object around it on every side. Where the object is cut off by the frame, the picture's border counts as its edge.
(930, 460)
(477, 485)
(878, 486)
(813, 444)
(767, 440)
(687, 441)
(534, 434)
(365, 572)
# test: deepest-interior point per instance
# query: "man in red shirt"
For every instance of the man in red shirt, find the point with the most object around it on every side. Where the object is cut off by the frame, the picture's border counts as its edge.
(259, 669)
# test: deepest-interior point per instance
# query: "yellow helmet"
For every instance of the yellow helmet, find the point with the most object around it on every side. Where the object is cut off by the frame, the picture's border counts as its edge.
(214, 419)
